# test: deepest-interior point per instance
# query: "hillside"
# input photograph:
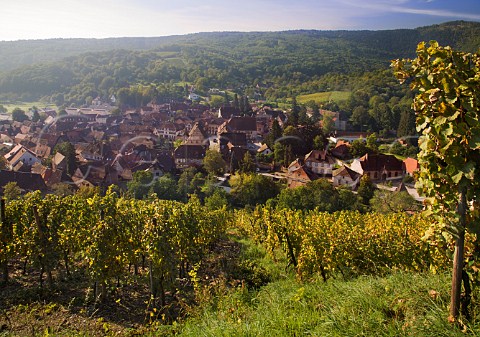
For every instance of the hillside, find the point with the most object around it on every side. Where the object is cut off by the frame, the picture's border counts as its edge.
(73, 70)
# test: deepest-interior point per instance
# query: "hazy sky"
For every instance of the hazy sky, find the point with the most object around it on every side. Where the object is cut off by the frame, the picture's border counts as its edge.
(40, 19)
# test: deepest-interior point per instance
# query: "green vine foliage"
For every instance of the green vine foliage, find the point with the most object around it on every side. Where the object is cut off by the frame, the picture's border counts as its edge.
(447, 86)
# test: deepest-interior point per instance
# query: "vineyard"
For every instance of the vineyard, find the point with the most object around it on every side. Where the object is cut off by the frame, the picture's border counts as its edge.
(112, 241)
(345, 243)
(107, 238)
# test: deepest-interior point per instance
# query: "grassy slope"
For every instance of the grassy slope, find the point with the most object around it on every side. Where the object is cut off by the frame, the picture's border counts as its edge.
(319, 97)
(25, 106)
(402, 304)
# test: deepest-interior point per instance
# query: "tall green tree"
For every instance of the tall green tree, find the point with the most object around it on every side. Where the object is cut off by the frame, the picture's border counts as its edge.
(447, 105)
(140, 185)
(68, 150)
(247, 164)
(384, 201)
(406, 126)
(19, 115)
(11, 191)
(328, 124)
(236, 103)
(252, 189)
(366, 189)
(213, 162)
(293, 117)
(274, 134)
(165, 187)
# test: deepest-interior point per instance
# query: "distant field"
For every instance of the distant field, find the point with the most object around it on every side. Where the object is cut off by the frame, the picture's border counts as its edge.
(175, 61)
(320, 97)
(168, 54)
(26, 105)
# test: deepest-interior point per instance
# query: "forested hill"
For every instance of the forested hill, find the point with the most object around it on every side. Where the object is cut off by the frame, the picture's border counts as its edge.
(80, 68)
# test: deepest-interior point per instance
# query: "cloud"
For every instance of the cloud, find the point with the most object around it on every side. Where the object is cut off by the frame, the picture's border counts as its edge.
(437, 12)
(406, 7)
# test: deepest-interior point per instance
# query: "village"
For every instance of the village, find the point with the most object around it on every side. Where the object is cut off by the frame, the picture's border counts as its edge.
(109, 148)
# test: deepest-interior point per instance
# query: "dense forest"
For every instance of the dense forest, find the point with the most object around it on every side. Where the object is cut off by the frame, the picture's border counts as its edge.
(273, 65)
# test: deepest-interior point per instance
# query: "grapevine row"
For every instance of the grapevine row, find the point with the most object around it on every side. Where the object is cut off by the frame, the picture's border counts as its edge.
(347, 243)
(106, 236)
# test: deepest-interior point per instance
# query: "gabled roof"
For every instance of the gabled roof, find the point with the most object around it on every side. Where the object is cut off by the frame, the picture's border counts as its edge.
(228, 111)
(411, 165)
(18, 155)
(379, 162)
(235, 138)
(346, 172)
(187, 151)
(198, 129)
(300, 175)
(58, 158)
(241, 124)
(26, 181)
(262, 148)
(319, 156)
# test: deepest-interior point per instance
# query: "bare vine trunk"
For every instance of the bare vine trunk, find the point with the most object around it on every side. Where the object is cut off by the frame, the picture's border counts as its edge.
(458, 259)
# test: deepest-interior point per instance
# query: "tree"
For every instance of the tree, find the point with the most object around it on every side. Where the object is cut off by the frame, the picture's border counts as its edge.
(360, 117)
(62, 189)
(358, 148)
(68, 150)
(366, 189)
(11, 191)
(406, 126)
(318, 143)
(216, 101)
(372, 143)
(35, 116)
(328, 124)
(140, 185)
(19, 115)
(236, 103)
(86, 192)
(226, 100)
(319, 194)
(217, 200)
(247, 106)
(213, 162)
(447, 106)
(315, 109)
(3, 163)
(189, 183)
(274, 134)
(165, 187)
(279, 153)
(252, 189)
(247, 164)
(294, 115)
(241, 104)
(384, 201)
(3, 109)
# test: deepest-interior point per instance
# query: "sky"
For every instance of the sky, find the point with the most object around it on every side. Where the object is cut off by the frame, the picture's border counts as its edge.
(43, 19)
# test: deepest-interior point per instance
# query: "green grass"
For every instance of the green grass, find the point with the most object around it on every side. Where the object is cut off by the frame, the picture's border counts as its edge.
(401, 304)
(175, 61)
(398, 305)
(168, 54)
(25, 105)
(319, 97)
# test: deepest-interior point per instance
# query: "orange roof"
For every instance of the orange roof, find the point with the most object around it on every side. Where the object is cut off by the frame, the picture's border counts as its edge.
(411, 165)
